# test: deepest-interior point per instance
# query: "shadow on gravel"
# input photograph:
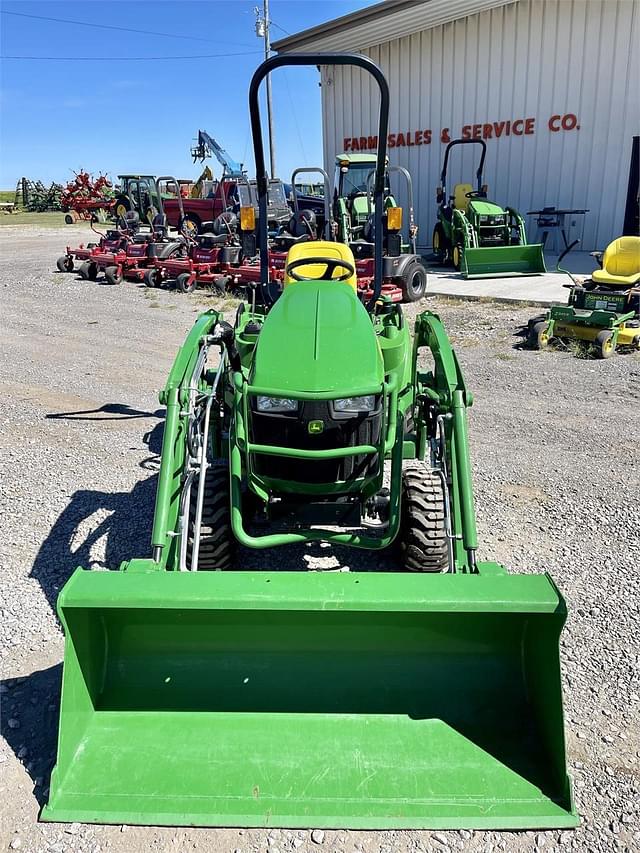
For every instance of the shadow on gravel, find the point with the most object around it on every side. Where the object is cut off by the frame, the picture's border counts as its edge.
(29, 723)
(118, 411)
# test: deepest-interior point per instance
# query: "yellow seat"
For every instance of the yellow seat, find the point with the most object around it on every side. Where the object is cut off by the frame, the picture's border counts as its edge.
(620, 264)
(460, 200)
(320, 249)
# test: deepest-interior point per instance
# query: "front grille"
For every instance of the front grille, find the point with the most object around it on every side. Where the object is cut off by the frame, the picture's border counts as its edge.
(291, 430)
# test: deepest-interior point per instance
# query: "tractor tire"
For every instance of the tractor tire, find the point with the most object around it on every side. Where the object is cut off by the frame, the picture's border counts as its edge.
(190, 224)
(121, 206)
(65, 263)
(538, 337)
(184, 285)
(456, 256)
(152, 277)
(440, 244)
(217, 542)
(414, 282)
(112, 276)
(605, 344)
(88, 271)
(423, 533)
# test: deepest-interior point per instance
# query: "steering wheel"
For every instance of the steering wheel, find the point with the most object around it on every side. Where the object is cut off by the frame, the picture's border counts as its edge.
(331, 264)
(474, 194)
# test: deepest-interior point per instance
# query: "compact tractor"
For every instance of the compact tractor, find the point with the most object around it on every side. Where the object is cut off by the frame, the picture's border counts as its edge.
(426, 694)
(604, 311)
(404, 276)
(478, 237)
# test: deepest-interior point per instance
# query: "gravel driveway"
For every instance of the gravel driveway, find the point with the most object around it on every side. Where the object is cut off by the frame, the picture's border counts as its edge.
(557, 474)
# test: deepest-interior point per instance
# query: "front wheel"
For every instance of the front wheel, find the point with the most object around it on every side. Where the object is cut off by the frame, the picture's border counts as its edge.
(414, 282)
(456, 256)
(113, 275)
(65, 263)
(88, 271)
(538, 337)
(423, 540)
(185, 283)
(217, 543)
(152, 277)
(605, 344)
(68, 219)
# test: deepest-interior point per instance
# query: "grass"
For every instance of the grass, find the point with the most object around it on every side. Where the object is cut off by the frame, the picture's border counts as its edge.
(7, 195)
(46, 220)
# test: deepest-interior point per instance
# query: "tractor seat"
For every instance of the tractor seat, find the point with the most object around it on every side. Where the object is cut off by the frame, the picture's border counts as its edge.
(620, 264)
(320, 249)
(209, 241)
(460, 200)
(141, 238)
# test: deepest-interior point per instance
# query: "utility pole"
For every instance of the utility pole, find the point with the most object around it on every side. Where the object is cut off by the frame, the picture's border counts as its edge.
(262, 31)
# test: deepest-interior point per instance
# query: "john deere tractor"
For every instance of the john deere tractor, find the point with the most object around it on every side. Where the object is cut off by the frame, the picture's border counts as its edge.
(424, 695)
(478, 237)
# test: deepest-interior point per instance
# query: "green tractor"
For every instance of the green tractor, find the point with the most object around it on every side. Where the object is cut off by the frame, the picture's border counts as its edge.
(424, 695)
(478, 237)
(404, 277)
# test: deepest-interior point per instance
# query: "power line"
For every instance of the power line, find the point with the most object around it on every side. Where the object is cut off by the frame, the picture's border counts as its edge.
(131, 58)
(113, 27)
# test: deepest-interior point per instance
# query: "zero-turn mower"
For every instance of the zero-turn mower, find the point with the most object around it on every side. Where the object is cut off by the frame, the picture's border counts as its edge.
(425, 695)
(604, 311)
(478, 237)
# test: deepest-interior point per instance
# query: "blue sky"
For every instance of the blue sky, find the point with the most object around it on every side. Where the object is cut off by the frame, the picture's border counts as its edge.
(118, 114)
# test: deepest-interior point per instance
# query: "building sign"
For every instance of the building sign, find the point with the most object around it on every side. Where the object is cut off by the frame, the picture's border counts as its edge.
(486, 130)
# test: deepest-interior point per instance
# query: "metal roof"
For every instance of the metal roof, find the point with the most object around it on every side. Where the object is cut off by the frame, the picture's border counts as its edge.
(381, 23)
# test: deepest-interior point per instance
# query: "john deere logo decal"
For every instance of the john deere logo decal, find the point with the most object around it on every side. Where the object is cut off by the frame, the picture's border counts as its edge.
(315, 427)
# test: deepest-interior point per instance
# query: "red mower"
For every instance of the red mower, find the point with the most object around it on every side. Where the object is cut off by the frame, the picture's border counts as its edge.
(114, 240)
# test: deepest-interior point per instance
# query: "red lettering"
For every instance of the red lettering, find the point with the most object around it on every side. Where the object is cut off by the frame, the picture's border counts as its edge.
(418, 137)
(427, 137)
(498, 128)
(529, 126)
(372, 142)
(410, 142)
(355, 146)
(477, 130)
(508, 129)
(569, 121)
(466, 131)
(391, 140)
(400, 139)
(487, 130)
(346, 143)
(553, 123)
(444, 135)
(513, 128)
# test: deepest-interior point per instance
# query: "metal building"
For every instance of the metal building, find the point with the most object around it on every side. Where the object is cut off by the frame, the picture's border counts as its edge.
(553, 86)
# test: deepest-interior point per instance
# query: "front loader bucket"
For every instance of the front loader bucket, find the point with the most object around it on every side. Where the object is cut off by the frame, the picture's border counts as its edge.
(311, 699)
(503, 261)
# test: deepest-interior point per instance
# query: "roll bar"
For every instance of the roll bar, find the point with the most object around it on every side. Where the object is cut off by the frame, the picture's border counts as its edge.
(443, 176)
(327, 193)
(318, 59)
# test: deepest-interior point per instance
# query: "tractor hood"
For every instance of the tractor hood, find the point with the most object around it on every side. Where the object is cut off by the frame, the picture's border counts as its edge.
(482, 207)
(317, 337)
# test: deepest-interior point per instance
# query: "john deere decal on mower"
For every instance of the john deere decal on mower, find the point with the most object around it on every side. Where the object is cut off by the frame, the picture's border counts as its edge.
(426, 695)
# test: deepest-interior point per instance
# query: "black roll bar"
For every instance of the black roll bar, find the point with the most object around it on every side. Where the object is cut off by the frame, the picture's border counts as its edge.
(443, 176)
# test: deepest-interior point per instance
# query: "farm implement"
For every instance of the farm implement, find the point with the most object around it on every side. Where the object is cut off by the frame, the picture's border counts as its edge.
(604, 311)
(478, 237)
(425, 695)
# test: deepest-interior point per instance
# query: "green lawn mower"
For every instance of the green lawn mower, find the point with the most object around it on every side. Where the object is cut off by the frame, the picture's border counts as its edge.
(603, 312)
(426, 695)
(478, 237)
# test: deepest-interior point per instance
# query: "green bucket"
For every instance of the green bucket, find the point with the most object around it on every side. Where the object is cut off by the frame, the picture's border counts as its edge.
(503, 261)
(312, 699)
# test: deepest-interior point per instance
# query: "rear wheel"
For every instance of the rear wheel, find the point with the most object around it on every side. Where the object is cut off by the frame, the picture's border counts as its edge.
(440, 244)
(113, 275)
(605, 344)
(423, 531)
(88, 271)
(152, 277)
(183, 283)
(121, 207)
(414, 282)
(538, 337)
(65, 263)
(217, 543)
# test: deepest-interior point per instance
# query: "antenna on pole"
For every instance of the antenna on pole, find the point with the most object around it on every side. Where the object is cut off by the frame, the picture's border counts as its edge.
(262, 31)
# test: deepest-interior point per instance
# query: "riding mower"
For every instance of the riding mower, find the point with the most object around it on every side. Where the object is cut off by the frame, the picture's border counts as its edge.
(604, 311)
(425, 695)
(115, 240)
(404, 276)
(477, 236)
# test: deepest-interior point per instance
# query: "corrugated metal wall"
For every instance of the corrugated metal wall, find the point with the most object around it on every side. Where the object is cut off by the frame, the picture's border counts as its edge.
(533, 58)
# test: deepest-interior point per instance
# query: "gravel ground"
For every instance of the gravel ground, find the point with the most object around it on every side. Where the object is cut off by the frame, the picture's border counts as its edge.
(557, 478)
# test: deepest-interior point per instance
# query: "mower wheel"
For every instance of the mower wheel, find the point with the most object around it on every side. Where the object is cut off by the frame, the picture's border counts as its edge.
(65, 263)
(88, 271)
(183, 283)
(605, 344)
(68, 219)
(414, 282)
(440, 243)
(152, 277)
(423, 530)
(217, 542)
(112, 276)
(539, 335)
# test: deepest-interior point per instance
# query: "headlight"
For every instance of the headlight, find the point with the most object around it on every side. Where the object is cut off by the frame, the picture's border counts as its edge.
(356, 404)
(276, 404)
